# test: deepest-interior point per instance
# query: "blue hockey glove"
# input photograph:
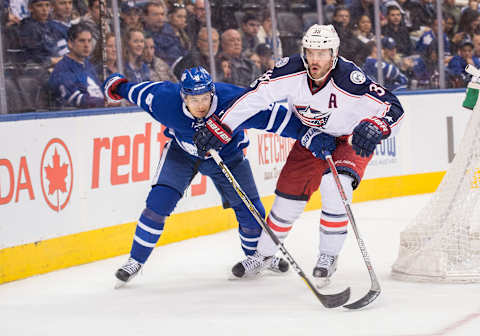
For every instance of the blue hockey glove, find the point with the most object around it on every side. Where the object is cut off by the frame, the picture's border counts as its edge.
(213, 135)
(110, 87)
(368, 134)
(318, 143)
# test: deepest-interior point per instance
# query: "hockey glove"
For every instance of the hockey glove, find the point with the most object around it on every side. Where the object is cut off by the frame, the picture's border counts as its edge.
(368, 134)
(110, 87)
(213, 135)
(319, 143)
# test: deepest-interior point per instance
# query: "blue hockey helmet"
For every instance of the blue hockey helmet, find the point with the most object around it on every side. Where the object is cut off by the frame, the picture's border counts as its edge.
(196, 81)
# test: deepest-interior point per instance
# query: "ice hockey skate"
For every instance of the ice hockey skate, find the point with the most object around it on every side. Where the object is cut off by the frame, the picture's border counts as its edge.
(253, 265)
(323, 270)
(127, 272)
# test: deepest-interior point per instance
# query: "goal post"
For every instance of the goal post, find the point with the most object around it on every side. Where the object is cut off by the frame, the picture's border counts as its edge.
(442, 244)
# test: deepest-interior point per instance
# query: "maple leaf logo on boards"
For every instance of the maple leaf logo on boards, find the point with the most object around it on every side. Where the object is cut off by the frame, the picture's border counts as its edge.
(56, 175)
(56, 172)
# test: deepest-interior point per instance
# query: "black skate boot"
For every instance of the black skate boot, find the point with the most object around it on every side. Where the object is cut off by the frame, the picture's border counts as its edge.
(325, 267)
(127, 272)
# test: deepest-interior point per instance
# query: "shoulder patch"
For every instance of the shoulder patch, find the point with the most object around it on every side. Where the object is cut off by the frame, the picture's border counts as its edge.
(357, 77)
(281, 62)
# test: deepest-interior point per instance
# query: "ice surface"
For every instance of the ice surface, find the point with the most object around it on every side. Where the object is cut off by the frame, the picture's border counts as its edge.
(185, 290)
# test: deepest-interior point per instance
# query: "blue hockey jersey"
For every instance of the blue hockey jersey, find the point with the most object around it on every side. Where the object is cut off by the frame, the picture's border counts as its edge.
(163, 102)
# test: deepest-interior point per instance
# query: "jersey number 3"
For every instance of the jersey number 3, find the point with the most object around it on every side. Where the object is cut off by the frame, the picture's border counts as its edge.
(380, 91)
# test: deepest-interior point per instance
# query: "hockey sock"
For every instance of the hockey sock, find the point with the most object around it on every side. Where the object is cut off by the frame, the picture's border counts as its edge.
(148, 231)
(333, 220)
(248, 228)
(280, 220)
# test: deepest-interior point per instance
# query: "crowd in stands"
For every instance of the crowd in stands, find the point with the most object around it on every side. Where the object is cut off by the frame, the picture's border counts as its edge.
(54, 57)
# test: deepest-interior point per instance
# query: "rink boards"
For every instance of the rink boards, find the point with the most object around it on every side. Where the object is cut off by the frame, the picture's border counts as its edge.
(72, 188)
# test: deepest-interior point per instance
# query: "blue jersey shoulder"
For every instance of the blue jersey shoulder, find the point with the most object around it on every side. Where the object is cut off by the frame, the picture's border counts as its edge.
(226, 93)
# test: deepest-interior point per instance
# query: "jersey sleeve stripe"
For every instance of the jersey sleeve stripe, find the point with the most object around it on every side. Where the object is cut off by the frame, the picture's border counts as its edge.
(273, 116)
(130, 92)
(284, 123)
(139, 98)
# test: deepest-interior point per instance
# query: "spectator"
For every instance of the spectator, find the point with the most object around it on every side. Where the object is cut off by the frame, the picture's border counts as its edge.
(225, 66)
(249, 30)
(425, 68)
(159, 70)
(62, 21)
(130, 16)
(133, 45)
(457, 64)
(422, 14)
(359, 8)
(467, 27)
(364, 29)
(37, 37)
(178, 20)
(197, 20)
(199, 55)
(265, 33)
(473, 5)
(266, 57)
(476, 45)
(74, 82)
(430, 35)
(450, 8)
(167, 45)
(111, 53)
(351, 47)
(393, 78)
(450, 26)
(92, 20)
(243, 70)
(396, 29)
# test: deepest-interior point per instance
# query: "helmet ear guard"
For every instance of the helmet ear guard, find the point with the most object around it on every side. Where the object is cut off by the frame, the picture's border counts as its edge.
(320, 37)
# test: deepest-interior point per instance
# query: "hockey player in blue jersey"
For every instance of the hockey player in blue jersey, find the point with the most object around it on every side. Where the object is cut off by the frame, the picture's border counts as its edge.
(334, 97)
(183, 108)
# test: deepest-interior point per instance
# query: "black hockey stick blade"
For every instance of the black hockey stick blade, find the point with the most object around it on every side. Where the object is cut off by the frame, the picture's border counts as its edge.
(334, 300)
(362, 302)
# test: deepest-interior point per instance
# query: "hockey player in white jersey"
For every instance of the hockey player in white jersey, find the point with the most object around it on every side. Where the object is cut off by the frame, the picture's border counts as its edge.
(333, 96)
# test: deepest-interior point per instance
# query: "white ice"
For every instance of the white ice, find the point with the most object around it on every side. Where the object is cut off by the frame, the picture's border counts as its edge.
(185, 290)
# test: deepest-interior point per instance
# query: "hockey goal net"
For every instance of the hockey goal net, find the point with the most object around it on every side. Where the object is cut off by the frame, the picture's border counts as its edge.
(442, 244)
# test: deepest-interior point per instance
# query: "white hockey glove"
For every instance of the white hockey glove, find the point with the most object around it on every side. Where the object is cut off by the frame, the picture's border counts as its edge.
(110, 87)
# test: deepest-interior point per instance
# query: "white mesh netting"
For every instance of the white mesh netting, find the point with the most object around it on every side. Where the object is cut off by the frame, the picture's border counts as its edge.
(443, 242)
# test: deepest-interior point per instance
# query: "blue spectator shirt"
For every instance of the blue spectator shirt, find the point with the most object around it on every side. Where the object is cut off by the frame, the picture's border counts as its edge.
(167, 44)
(75, 85)
(393, 78)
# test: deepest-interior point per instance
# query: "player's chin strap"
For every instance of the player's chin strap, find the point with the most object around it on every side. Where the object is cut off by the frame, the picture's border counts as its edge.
(329, 301)
(375, 289)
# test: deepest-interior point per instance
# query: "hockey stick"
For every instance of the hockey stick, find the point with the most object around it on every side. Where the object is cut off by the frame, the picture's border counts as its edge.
(329, 301)
(375, 289)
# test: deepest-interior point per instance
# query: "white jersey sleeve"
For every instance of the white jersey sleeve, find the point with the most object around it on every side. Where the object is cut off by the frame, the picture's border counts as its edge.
(273, 86)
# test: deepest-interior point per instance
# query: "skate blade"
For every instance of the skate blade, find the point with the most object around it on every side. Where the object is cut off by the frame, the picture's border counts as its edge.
(232, 277)
(119, 284)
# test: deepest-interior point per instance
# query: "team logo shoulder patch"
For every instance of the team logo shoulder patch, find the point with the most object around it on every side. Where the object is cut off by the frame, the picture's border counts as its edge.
(281, 62)
(357, 77)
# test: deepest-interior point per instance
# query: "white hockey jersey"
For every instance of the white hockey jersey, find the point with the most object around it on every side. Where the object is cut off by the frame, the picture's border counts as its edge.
(345, 98)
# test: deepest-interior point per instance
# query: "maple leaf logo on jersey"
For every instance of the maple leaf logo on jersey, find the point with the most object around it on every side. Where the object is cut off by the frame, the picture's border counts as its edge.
(56, 175)
(311, 117)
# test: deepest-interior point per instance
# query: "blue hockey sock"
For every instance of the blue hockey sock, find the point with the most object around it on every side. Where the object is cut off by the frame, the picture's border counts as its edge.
(148, 232)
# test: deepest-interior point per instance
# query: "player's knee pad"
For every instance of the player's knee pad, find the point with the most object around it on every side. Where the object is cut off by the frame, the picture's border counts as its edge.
(331, 200)
(163, 199)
